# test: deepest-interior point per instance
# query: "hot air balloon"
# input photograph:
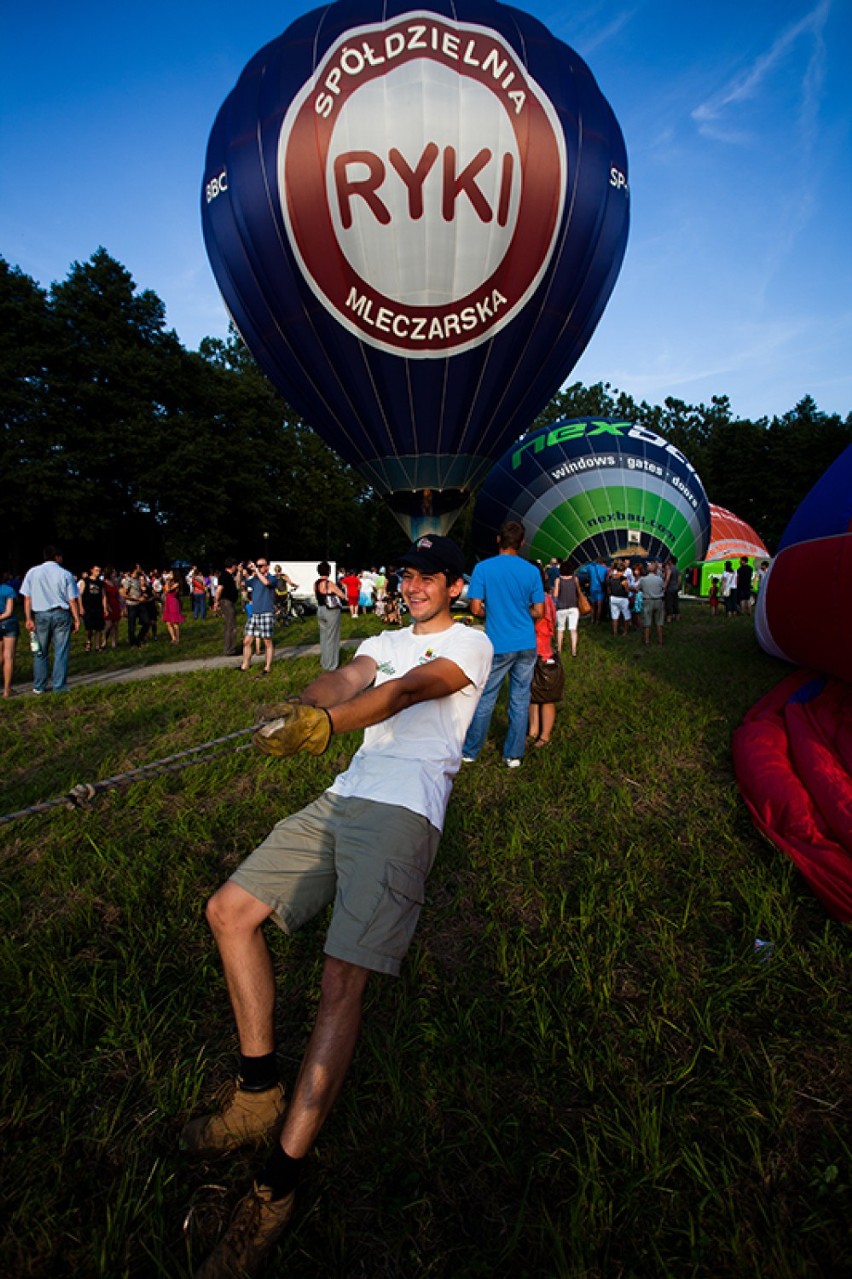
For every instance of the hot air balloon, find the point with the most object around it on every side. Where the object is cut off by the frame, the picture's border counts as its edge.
(416, 217)
(594, 487)
(730, 539)
(793, 751)
(804, 610)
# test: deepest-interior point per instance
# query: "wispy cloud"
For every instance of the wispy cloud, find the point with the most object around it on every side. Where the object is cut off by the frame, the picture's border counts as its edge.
(585, 28)
(606, 33)
(716, 117)
(720, 117)
(674, 367)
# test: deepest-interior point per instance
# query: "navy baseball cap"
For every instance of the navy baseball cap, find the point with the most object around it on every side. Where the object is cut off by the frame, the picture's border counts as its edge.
(434, 554)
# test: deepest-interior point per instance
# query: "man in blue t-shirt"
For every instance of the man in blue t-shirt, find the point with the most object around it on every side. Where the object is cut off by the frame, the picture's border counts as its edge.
(598, 573)
(258, 579)
(508, 591)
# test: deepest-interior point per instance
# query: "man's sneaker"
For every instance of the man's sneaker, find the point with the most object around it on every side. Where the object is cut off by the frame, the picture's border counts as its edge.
(243, 1119)
(512, 762)
(258, 1222)
(468, 759)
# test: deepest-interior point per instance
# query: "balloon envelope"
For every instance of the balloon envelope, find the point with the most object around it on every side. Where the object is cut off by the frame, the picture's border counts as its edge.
(731, 537)
(804, 609)
(793, 760)
(594, 487)
(416, 217)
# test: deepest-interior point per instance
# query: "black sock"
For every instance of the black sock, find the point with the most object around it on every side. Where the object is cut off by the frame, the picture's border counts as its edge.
(281, 1172)
(258, 1073)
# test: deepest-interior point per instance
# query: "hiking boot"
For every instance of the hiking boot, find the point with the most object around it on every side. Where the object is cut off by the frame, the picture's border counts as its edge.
(243, 1119)
(258, 1222)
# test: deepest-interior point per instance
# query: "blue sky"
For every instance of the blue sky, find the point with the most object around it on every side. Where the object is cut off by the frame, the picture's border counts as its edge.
(737, 119)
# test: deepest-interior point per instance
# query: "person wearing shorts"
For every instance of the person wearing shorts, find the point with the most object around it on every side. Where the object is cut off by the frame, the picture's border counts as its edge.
(567, 606)
(365, 848)
(261, 623)
(619, 598)
(653, 609)
(9, 631)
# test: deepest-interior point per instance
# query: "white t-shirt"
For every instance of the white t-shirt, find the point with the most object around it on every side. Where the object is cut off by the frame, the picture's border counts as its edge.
(412, 758)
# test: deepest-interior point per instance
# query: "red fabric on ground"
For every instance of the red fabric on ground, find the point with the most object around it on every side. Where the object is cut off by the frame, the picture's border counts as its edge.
(793, 761)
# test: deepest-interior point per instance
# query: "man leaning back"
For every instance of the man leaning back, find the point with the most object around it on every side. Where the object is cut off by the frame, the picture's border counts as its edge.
(367, 845)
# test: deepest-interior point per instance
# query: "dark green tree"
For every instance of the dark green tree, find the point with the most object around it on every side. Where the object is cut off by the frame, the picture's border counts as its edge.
(29, 469)
(113, 382)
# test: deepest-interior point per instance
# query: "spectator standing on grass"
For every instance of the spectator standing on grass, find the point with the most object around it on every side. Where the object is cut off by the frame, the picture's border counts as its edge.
(112, 606)
(225, 604)
(551, 574)
(567, 606)
(548, 678)
(9, 631)
(365, 592)
(619, 598)
(714, 596)
(637, 598)
(152, 591)
(598, 574)
(261, 624)
(508, 592)
(729, 590)
(198, 592)
(330, 600)
(51, 612)
(351, 584)
(671, 581)
(744, 578)
(653, 603)
(93, 601)
(367, 845)
(172, 615)
(133, 594)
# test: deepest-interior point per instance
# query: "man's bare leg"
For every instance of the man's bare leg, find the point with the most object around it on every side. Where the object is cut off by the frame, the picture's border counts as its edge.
(254, 1111)
(328, 1055)
(235, 918)
(270, 653)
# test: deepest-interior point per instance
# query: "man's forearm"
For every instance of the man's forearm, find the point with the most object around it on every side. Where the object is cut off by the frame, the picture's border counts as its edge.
(352, 701)
(334, 687)
(371, 706)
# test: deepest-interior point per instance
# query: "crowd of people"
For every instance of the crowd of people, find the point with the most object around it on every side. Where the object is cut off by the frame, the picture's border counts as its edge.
(737, 588)
(100, 601)
(632, 595)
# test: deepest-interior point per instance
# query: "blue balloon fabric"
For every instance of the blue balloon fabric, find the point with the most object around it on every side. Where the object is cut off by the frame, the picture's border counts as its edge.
(416, 218)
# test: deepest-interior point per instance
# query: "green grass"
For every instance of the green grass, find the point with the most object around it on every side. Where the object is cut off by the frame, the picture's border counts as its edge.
(583, 1071)
(197, 640)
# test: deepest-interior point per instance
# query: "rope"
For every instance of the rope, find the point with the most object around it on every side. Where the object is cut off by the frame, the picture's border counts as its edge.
(83, 794)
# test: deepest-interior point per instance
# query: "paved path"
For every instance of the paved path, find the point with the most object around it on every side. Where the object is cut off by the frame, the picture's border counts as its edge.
(132, 673)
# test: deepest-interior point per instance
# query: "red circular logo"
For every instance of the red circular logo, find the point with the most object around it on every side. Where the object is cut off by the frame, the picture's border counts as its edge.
(421, 174)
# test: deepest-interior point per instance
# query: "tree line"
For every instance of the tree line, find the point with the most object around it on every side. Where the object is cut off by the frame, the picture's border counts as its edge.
(119, 444)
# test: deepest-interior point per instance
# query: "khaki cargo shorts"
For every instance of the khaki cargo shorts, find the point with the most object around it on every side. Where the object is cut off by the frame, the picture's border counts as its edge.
(371, 860)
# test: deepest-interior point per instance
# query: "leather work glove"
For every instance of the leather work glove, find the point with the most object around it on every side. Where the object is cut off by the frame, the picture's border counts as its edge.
(296, 728)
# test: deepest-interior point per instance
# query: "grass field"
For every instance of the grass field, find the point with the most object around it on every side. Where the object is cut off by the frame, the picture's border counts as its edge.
(584, 1070)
